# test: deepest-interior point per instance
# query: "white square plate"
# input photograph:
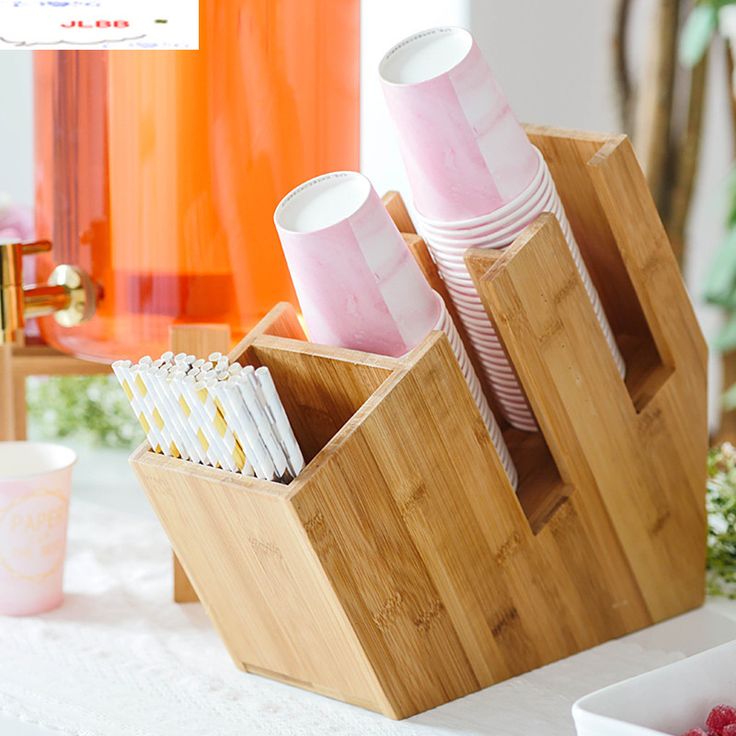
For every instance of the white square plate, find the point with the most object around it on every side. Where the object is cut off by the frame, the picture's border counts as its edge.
(664, 702)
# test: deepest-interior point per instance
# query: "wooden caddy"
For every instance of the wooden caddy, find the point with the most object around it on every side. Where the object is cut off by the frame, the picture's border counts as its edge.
(400, 570)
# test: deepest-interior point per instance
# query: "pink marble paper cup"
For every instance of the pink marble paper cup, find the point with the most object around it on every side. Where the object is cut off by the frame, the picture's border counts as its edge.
(465, 153)
(493, 236)
(446, 325)
(504, 215)
(358, 285)
(35, 485)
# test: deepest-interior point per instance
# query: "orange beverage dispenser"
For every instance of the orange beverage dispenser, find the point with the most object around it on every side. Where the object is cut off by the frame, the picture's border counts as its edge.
(157, 172)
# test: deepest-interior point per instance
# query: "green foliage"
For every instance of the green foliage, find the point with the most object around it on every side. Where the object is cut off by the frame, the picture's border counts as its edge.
(729, 398)
(721, 504)
(697, 33)
(91, 408)
(722, 274)
(725, 341)
(699, 29)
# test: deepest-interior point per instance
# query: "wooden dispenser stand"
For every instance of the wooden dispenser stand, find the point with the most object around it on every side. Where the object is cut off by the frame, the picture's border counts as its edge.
(401, 570)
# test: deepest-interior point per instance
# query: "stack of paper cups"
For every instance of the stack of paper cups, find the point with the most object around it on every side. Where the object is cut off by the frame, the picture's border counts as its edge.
(446, 325)
(476, 181)
(465, 153)
(358, 285)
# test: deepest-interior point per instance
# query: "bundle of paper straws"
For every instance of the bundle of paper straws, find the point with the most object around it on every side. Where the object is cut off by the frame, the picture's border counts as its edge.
(212, 412)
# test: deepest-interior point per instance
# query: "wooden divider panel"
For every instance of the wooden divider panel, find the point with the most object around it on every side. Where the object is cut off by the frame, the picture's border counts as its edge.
(538, 302)
(242, 546)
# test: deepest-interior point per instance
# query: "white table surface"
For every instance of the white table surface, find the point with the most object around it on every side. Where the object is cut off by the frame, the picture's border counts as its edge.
(519, 706)
(490, 711)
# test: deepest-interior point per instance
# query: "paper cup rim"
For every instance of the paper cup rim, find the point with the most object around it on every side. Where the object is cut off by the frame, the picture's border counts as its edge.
(499, 212)
(294, 194)
(545, 191)
(66, 459)
(505, 234)
(492, 230)
(392, 54)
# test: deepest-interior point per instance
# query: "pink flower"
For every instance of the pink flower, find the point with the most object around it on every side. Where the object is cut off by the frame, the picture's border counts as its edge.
(16, 221)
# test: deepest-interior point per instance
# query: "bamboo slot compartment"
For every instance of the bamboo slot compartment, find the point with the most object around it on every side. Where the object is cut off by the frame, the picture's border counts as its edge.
(400, 570)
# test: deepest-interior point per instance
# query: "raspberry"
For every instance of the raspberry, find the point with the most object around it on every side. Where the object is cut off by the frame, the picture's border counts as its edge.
(720, 717)
(730, 730)
(698, 732)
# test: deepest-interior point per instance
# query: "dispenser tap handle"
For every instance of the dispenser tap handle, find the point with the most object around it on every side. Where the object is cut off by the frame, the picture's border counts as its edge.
(39, 246)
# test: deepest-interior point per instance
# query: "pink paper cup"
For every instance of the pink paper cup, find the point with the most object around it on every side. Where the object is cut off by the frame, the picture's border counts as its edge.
(494, 234)
(358, 285)
(540, 185)
(459, 280)
(35, 485)
(469, 304)
(446, 325)
(465, 153)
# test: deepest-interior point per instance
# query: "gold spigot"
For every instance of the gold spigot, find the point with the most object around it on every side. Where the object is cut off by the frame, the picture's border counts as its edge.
(70, 294)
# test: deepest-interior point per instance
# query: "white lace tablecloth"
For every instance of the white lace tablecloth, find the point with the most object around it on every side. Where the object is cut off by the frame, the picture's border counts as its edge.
(120, 659)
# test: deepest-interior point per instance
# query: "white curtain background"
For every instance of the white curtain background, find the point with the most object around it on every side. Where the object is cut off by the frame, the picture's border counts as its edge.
(553, 59)
(16, 126)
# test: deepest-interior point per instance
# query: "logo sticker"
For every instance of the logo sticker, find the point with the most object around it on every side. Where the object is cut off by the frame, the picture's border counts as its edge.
(33, 535)
(99, 24)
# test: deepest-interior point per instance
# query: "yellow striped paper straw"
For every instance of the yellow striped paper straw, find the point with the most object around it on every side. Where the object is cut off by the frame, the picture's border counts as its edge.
(247, 431)
(119, 368)
(232, 452)
(281, 423)
(206, 430)
(142, 384)
(245, 383)
(184, 384)
(174, 415)
(124, 372)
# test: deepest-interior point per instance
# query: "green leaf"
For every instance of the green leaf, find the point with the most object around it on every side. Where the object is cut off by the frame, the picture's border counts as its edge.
(726, 339)
(729, 398)
(696, 34)
(91, 408)
(720, 287)
(731, 197)
(721, 507)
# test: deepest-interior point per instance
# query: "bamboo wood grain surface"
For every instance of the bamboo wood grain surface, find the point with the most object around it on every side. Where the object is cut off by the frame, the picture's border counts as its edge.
(400, 570)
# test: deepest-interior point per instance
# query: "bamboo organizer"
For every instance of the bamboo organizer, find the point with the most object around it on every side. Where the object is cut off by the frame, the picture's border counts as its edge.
(400, 570)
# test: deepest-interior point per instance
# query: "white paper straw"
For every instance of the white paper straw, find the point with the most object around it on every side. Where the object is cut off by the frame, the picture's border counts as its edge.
(121, 369)
(232, 456)
(212, 412)
(247, 384)
(247, 430)
(281, 420)
(202, 427)
(225, 427)
(168, 445)
(190, 408)
(167, 394)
